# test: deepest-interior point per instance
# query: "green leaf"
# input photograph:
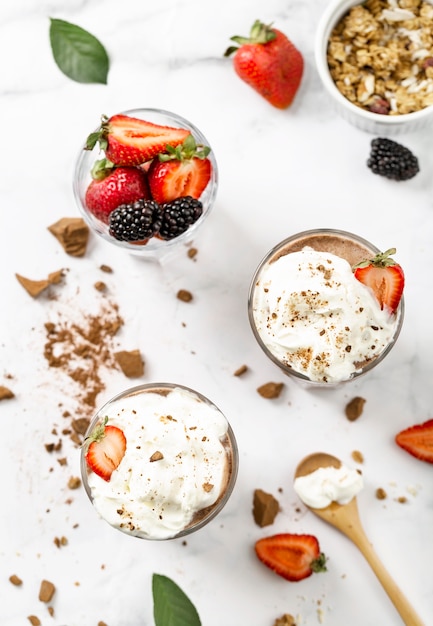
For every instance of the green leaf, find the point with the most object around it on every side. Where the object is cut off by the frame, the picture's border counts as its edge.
(171, 607)
(77, 53)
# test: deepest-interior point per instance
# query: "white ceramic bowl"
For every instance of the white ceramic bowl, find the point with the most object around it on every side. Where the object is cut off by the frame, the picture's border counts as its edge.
(365, 120)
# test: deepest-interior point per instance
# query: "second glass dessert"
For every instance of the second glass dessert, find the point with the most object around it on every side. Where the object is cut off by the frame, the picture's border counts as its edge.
(312, 316)
(159, 461)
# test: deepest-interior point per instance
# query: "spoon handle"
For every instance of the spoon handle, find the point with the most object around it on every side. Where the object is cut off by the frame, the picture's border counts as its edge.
(406, 611)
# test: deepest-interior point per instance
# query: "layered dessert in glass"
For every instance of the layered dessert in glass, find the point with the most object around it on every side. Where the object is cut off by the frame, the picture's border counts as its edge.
(166, 463)
(312, 317)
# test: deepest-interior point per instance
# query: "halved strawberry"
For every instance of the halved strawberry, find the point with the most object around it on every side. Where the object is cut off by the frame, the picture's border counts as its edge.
(294, 557)
(112, 186)
(384, 277)
(182, 171)
(131, 141)
(418, 441)
(106, 448)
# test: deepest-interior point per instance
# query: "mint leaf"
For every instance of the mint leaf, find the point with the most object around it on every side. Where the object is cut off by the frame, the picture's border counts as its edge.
(77, 53)
(171, 607)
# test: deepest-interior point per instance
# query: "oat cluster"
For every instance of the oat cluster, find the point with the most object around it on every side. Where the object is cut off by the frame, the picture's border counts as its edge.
(380, 56)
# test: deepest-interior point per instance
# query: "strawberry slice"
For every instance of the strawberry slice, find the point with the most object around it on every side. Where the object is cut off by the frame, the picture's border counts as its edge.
(418, 441)
(106, 448)
(294, 557)
(131, 141)
(112, 186)
(182, 171)
(384, 277)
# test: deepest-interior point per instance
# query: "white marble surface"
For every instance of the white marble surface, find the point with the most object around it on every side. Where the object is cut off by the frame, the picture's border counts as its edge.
(280, 172)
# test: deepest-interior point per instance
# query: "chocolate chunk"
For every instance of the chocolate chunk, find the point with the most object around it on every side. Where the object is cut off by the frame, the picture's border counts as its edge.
(265, 508)
(72, 233)
(46, 591)
(130, 362)
(5, 393)
(270, 390)
(354, 408)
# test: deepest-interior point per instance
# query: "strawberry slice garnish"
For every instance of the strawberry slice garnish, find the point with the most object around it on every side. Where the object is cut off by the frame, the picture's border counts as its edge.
(181, 171)
(131, 141)
(106, 448)
(384, 277)
(112, 186)
(294, 557)
(418, 441)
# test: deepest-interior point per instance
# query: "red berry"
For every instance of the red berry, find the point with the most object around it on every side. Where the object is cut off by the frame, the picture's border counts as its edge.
(121, 185)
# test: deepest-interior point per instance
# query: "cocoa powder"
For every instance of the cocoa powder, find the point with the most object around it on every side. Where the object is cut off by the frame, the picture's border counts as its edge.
(82, 350)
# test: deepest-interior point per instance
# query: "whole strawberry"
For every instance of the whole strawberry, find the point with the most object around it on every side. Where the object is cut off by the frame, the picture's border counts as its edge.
(269, 62)
(113, 186)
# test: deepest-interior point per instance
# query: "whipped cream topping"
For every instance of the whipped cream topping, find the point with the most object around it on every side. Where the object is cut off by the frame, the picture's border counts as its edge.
(175, 463)
(328, 484)
(315, 317)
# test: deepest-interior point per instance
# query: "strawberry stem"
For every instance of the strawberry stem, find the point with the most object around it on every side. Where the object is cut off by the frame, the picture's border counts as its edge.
(188, 150)
(97, 433)
(101, 169)
(259, 34)
(382, 259)
(319, 564)
(99, 136)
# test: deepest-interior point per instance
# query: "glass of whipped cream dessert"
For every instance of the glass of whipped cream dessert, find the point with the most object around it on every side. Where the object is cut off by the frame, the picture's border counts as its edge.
(312, 317)
(159, 461)
(145, 180)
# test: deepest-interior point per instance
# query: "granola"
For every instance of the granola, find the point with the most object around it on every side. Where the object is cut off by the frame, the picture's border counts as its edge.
(380, 56)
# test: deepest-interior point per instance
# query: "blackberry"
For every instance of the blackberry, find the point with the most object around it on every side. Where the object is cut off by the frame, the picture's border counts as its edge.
(137, 221)
(178, 215)
(392, 160)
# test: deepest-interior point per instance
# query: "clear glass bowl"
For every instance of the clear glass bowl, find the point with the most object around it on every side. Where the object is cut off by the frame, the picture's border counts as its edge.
(351, 247)
(147, 478)
(155, 248)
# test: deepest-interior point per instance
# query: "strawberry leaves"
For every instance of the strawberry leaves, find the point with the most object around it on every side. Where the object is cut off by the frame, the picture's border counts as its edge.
(171, 607)
(77, 53)
(187, 150)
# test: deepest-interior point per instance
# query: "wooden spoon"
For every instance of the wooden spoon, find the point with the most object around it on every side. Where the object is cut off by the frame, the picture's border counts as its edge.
(345, 518)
